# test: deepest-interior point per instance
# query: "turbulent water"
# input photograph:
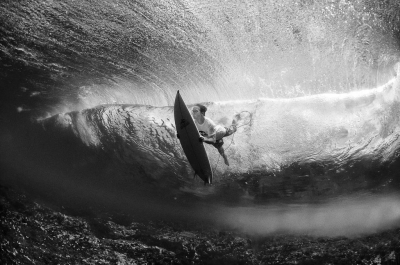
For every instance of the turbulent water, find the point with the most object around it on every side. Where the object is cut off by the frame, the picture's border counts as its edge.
(87, 89)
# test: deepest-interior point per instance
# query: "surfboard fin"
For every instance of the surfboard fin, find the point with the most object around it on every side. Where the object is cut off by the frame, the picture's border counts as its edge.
(205, 181)
(208, 181)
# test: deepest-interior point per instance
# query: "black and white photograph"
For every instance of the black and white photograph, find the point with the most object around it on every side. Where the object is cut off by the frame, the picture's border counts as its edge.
(215, 132)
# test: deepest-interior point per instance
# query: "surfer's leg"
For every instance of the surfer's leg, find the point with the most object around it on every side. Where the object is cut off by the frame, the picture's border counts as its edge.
(232, 129)
(220, 133)
(219, 143)
(222, 153)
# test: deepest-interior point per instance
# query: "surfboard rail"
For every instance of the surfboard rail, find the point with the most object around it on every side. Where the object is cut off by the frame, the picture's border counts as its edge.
(189, 138)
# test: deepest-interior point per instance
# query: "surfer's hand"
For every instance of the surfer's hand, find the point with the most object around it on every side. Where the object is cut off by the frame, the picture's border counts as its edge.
(202, 133)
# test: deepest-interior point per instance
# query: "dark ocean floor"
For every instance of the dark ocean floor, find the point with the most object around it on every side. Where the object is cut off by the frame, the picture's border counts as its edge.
(33, 233)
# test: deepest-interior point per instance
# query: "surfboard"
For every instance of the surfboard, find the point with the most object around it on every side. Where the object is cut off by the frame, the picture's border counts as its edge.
(190, 140)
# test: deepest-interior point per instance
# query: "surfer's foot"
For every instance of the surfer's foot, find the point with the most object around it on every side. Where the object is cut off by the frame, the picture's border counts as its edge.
(234, 125)
(234, 122)
(225, 159)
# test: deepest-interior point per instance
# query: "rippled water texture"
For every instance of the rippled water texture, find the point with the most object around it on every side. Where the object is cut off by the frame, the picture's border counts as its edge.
(86, 90)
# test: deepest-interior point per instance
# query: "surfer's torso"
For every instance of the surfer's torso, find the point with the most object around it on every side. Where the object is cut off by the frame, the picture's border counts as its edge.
(208, 128)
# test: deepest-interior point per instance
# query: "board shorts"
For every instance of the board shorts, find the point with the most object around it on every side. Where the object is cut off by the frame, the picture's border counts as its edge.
(221, 134)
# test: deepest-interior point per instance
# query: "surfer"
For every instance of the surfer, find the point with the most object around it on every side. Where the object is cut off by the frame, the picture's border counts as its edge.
(212, 133)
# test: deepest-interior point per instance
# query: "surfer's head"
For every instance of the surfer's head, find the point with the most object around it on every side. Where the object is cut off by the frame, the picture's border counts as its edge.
(201, 108)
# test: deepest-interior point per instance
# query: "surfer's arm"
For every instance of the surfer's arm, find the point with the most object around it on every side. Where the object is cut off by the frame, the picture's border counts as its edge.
(206, 140)
(212, 138)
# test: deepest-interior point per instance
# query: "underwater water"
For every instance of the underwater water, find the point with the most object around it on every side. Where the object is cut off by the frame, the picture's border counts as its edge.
(87, 117)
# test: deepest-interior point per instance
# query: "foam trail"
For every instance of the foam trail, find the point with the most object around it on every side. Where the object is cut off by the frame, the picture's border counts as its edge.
(349, 217)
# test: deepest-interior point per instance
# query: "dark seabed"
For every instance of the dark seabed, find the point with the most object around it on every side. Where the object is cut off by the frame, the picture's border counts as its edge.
(92, 171)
